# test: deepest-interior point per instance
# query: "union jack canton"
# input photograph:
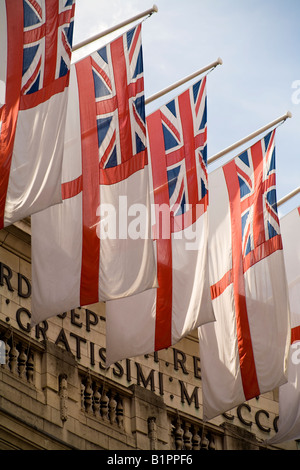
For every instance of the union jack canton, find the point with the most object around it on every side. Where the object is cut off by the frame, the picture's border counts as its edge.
(119, 92)
(184, 125)
(257, 184)
(48, 33)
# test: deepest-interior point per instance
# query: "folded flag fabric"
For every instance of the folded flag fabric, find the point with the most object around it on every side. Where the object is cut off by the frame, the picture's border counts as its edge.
(158, 318)
(289, 393)
(35, 53)
(244, 352)
(89, 248)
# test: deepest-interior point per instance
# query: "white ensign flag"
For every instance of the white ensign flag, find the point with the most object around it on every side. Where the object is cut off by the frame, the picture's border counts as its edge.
(244, 352)
(289, 393)
(156, 319)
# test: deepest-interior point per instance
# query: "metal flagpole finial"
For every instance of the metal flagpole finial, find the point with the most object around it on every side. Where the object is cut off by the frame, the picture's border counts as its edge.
(154, 9)
(289, 114)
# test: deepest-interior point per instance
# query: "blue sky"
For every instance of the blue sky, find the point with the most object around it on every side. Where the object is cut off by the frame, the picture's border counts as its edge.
(259, 43)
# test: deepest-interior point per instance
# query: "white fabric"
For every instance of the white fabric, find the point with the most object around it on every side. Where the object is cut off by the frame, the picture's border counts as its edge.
(3, 51)
(267, 308)
(131, 259)
(35, 182)
(35, 171)
(127, 266)
(130, 323)
(289, 393)
(56, 240)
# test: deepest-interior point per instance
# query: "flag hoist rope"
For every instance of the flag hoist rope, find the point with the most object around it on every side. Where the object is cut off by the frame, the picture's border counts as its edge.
(152, 10)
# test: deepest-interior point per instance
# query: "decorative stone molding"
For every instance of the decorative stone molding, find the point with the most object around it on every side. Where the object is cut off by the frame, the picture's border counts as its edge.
(63, 394)
(152, 432)
(101, 401)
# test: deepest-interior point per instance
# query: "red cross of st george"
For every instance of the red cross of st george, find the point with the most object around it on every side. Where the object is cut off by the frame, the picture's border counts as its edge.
(240, 263)
(190, 142)
(15, 100)
(93, 174)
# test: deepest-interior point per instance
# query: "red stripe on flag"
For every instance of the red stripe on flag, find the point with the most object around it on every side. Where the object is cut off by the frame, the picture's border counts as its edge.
(136, 87)
(203, 166)
(202, 89)
(201, 139)
(54, 19)
(163, 326)
(43, 95)
(258, 212)
(244, 246)
(49, 30)
(34, 35)
(37, 7)
(71, 188)
(175, 156)
(102, 73)
(180, 222)
(269, 152)
(90, 184)
(124, 170)
(272, 213)
(189, 145)
(247, 363)
(52, 23)
(220, 286)
(171, 126)
(270, 181)
(138, 120)
(134, 41)
(108, 150)
(245, 177)
(66, 16)
(66, 45)
(299, 210)
(106, 106)
(295, 334)
(9, 114)
(33, 77)
(122, 92)
(262, 251)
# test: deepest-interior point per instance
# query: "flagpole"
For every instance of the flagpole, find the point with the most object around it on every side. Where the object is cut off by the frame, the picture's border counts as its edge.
(249, 137)
(288, 196)
(150, 11)
(183, 80)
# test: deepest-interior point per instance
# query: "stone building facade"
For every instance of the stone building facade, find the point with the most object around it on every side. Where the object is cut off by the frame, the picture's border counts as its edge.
(56, 394)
